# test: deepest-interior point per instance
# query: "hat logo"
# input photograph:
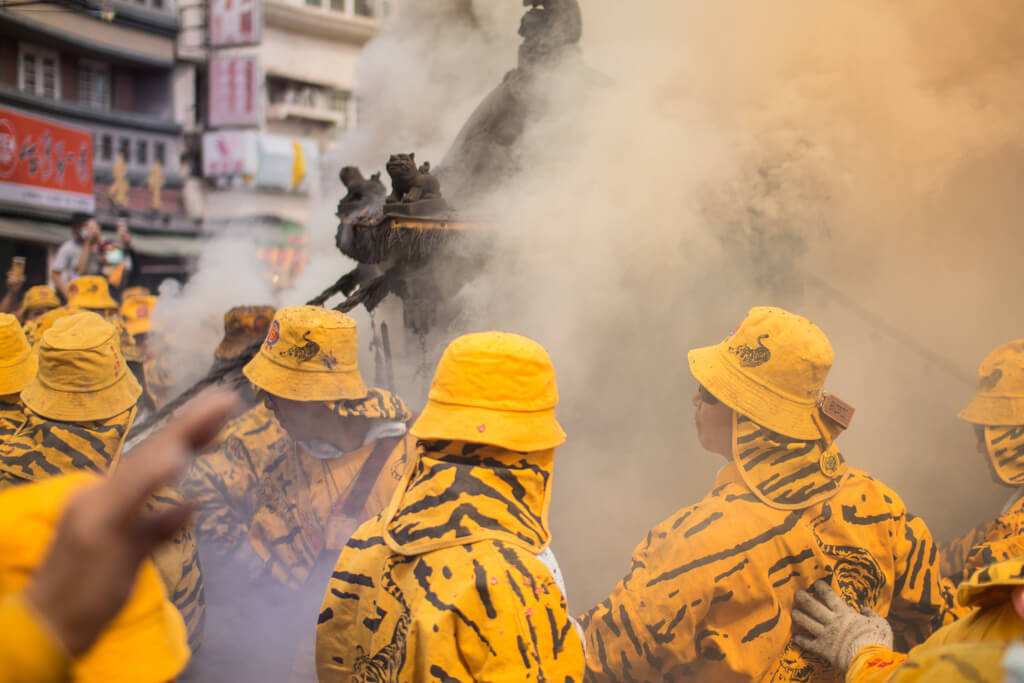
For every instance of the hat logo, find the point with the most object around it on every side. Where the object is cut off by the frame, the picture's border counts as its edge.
(92, 288)
(274, 334)
(142, 312)
(752, 358)
(305, 352)
(829, 463)
(73, 290)
(989, 381)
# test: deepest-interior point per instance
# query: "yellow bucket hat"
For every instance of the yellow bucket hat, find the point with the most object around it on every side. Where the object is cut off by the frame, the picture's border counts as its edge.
(38, 327)
(310, 354)
(999, 400)
(82, 374)
(40, 296)
(136, 313)
(992, 584)
(493, 388)
(18, 363)
(243, 327)
(135, 292)
(772, 370)
(90, 291)
(146, 641)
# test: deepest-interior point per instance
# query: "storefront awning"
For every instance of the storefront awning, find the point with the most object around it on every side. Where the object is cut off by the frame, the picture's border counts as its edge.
(42, 232)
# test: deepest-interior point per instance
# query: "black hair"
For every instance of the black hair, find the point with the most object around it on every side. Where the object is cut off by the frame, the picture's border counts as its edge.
(80, 218)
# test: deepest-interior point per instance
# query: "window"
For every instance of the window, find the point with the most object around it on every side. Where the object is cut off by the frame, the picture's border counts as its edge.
(141, 152)
(338, 5)
(337, 101)
(366, 8)
(314, 3)
(124, 148)
(159, 152)
(106, 148)
(93, 84)
(38, 71)
(158, 4)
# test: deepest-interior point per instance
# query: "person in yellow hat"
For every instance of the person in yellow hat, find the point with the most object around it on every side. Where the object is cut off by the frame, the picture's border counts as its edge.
(711, 588)
(997, 414)
(79, 408)
(279, 513)
(78, 599)
(342, 454)
(37, 301)
(257, 427)
(92, 293)
(861, 643)
(455, 581)
(18, 365)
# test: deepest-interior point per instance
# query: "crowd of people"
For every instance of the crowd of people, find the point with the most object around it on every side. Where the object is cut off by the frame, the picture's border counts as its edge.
(426, 532)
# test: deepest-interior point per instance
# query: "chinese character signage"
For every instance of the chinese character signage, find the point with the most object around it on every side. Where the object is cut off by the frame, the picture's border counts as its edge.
(235, 22)
(45, 164)
(230, 153)
(235, 84)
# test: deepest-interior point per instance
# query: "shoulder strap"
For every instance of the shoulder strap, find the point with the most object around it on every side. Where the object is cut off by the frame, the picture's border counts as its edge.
(360, 490)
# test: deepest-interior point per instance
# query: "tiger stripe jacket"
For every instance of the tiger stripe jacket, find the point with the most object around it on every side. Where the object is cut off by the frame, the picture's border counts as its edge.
(993, 621)
(710, 590)
(447, 585)
(1001, 540)
(262, 493)
(43, 448)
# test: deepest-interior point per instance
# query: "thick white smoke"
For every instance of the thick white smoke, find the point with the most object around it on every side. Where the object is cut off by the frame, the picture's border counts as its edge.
(854, 162)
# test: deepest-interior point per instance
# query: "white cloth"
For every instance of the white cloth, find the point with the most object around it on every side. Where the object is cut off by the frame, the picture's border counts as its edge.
(379, 429)
(66, 261)
(547, 556)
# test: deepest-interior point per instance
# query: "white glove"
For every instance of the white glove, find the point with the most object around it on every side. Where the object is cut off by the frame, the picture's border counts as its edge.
(837, 631)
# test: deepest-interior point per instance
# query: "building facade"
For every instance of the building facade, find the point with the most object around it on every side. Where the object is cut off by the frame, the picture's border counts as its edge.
(75, 72)
(275, 83)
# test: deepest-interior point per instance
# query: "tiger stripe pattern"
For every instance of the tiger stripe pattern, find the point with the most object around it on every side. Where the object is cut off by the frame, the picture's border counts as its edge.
(785, 473)
(1005, 446)
(282, 501)
(12, 415)
(378, 404)
(447, 585)
(1002, 538)
(710, 590)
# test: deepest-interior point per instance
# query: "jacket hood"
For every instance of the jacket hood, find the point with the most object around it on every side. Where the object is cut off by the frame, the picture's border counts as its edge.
(459, 493)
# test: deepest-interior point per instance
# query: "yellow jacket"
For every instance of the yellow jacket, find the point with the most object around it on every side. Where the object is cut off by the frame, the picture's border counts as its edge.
(1001, 540)
(993, 621)
(28, 651)
(711, 589)
(12, 415)
(44, 448)
(448, 584)
(285, 502)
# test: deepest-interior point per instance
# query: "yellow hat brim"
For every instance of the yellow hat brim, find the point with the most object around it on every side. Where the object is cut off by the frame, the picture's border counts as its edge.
(516, 431)
(997, 411)
(732, 387)
(94, 304)
(298, 385)
(80, 406)
(16, 377)
(137, 327)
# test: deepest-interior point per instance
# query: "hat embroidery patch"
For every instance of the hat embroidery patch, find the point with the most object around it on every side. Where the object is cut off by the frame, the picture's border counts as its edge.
(73, 290)
(142, 312)
(752, 358)
(989, 381)
(274, 334)
(305, 352)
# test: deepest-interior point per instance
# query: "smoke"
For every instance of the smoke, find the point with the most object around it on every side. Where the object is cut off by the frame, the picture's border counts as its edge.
(853, 162)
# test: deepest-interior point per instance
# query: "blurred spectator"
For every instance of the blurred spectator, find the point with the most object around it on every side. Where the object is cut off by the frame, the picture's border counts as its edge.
(79, 255)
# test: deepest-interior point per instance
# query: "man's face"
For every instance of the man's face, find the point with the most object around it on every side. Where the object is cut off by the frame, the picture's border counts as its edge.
(714, 423)
(33, 313)
(309, 420)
